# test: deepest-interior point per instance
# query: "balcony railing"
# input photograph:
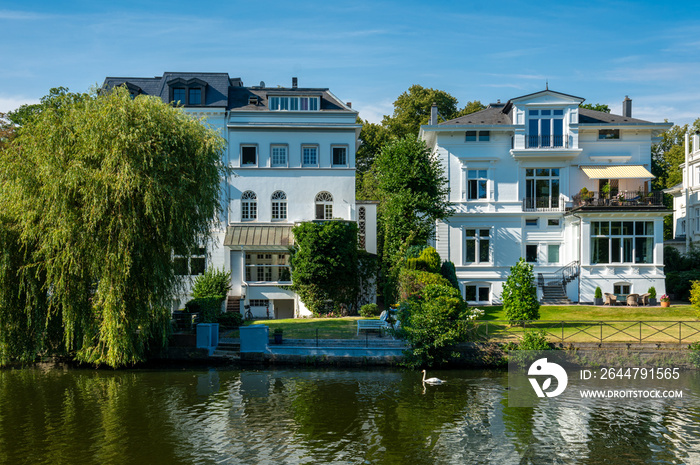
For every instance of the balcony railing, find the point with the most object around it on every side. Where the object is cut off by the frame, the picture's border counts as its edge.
(621, 199)
(551, 204)
(547, 142)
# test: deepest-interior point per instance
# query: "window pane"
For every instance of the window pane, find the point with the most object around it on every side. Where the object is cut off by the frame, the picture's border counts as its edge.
(643, 250)
(627, 228)
(553, 222)
(649, 228)
(639, 228)
(195, 97)
(470, 232)
(328, 209)
(293, 103)
(248, 155)
(558, 112)
(180, 266)
(484, 232)
(553, 253)
(484, 251)
(482, 173)
(339, 156)
(546, 112)
(604, 228)
(483, 294)
(616, 228)
(600, 253)
(542, 172)
(319, 212)
(484, 136)
(531, 253)
(534, 112)
(470, 136)
(471, 250)
(198, 265)
(555, 171)
(179, 95)
(529, 172)
(472, 189)
(615, 250)
(482, 189)
(470, 293)
(627, 250)
(279, 155)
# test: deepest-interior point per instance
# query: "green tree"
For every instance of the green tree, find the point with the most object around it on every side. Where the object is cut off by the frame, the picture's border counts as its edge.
(99, 190)
(372, 138)
(520, 293)
(469, 108)
(433, 324)
(414, 191)
(596, 106)
(325, 265)
(412, 108)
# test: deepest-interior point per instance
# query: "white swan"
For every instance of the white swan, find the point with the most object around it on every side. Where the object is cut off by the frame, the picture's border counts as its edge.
(432, 380)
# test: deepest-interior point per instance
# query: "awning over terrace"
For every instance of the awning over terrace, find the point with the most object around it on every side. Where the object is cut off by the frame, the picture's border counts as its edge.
(617, 172)
(259, 238)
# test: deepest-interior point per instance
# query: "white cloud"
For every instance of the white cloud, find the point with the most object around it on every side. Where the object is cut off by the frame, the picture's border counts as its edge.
(374, 111)
(12, 103)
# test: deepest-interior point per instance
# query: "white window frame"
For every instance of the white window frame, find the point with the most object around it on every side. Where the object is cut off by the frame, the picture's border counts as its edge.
(272, 155)
(309, 146)
(477, 238)
(478, 136)
(549, 261)
(338, 146)
(324, 199)
(479, 286)
(293, 103)
(477, 179)
(279, 206)
(257, 155)
(249, 206)
(621, 238)
(537, 253)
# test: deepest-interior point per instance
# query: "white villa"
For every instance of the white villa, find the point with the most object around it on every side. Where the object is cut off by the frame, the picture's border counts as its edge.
(293, 153)
(686, 198)
(564, 187)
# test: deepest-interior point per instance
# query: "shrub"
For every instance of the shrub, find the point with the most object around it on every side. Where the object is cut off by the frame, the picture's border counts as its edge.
(694, 354)
(209, 308)
(520, 293)
(432, 326)
(412, 282)
(230, 319)
(695, 297)
(415, 264)
(447, 270)
(369, 310)
(652, 292)
(213, 283)
(414, 251)
(534, 340)
(431, 259)
(598, 293)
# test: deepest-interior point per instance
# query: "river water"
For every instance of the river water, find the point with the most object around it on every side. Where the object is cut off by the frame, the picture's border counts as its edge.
(312, 416)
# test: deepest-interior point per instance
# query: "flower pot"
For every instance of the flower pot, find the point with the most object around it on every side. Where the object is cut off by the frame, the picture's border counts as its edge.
(598, 301)
(652, 301)
(665, 304)
(278, 338)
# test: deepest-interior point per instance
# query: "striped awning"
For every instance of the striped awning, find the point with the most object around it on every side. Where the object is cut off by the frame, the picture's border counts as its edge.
(617, 172)
(259, 238)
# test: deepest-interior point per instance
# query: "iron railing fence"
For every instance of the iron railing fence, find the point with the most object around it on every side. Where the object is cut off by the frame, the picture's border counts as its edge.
(591, 331)
(635, 198)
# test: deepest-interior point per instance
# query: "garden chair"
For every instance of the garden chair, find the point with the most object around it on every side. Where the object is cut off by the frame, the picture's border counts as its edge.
(610, 299)
(644, 299)
(633, 300)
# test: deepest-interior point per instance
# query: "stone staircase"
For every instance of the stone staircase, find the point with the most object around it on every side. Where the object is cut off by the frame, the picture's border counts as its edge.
(553, 285)
(228, 348)
(554, 294)
(233, 303)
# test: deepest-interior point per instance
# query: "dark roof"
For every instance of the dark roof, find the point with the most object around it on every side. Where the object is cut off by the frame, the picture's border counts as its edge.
(221, 91)
(495, 113)
(587, 116)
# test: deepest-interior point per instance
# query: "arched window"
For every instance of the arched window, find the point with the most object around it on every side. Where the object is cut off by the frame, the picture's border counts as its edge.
(324, 206)
(279, 205)
(249, 206)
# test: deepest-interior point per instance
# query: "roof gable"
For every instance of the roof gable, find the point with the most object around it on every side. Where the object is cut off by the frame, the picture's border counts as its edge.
(547, 97)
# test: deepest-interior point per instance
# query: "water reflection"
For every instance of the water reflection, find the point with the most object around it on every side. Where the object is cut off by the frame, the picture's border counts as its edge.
(323, 416)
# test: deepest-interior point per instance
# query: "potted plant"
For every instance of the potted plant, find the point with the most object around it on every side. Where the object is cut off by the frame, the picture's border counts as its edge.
(605, 190)
(277, 334)
(652, 295)
(598, 296)
(665, 300)
(584, 195)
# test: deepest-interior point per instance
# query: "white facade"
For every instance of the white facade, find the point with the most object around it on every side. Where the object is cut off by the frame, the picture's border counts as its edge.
(293, 154)
(686, 198)
(515, 173)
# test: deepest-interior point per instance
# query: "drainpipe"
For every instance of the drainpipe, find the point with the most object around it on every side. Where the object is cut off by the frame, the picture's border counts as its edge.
(686, 184)
(580, 253)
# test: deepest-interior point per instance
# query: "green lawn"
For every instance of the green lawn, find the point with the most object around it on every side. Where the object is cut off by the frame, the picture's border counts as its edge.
(619, 325)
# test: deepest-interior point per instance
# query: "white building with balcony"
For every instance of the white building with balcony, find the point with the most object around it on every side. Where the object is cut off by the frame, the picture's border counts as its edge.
(564, 187)
(293, 153)
(686, 198)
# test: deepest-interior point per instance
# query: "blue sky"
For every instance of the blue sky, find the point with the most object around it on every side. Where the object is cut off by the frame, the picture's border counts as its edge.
(368, 52)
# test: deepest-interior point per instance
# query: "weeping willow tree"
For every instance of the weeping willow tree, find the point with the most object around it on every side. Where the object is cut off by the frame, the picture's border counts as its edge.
(96, 192)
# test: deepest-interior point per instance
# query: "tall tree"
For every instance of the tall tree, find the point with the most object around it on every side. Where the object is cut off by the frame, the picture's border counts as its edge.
(372, 138)
(412, 108)
(413, 190)
(98, 191)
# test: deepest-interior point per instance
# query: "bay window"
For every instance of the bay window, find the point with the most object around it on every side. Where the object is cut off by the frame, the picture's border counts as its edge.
(622, 242)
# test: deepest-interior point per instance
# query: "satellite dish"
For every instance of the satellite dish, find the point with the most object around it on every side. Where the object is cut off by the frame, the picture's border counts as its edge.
(262, 83)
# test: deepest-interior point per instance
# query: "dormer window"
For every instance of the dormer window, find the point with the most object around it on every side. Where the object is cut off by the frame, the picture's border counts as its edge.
(190, 92)
(283, 103)
(545, 128)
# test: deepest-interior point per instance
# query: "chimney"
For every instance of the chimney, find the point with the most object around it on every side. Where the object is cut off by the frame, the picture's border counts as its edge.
(349, 104)
(627, 107)
(294, 83)
(433, 114)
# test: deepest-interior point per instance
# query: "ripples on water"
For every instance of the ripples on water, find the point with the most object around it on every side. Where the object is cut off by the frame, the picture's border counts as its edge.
(324, 416)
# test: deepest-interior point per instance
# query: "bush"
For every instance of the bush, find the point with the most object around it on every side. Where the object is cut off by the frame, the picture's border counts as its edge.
(447, 270)
(678, 283)
(412, 282)
(694, 354)
(431, 258)
(695, 297)
(598, 293)
(652, 292)
(209, 308)
(520, 293)
(433, 325)
(369, 310)
(213, 283)
(414, 251)
(230, 319)
(534, 340)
